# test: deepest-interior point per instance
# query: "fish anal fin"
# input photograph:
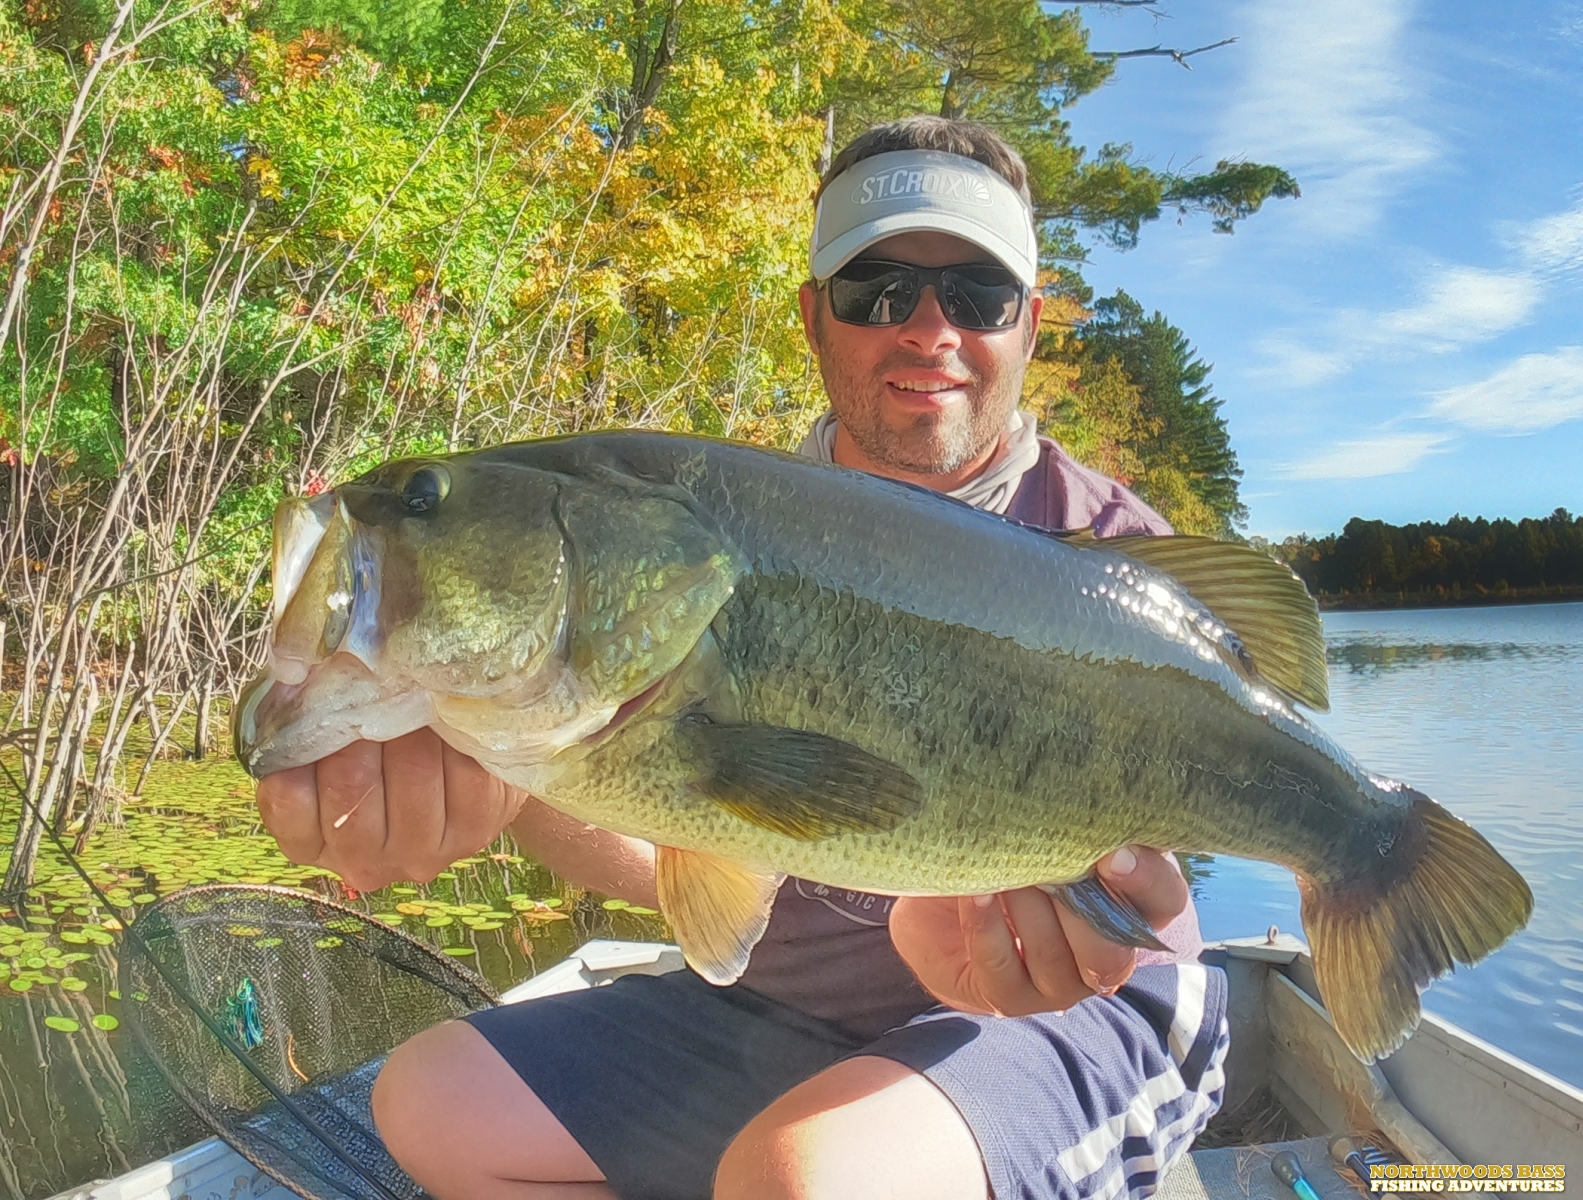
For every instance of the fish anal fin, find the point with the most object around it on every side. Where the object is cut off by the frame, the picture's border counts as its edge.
(1260, 600)
(1112, 917)
(796, 783)
(718, 909)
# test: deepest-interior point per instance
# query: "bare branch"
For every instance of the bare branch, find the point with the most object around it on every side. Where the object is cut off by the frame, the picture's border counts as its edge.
(1178, 56)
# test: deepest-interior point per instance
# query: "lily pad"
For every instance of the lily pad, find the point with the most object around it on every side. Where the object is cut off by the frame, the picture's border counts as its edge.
(62, 1024)
(388, 918)
(638, 910)
(74, 937)
(439, 922)
(460, 951)
(411, 909)
(21, 985)
(72, 984)
(106, 1022)
(616, 905)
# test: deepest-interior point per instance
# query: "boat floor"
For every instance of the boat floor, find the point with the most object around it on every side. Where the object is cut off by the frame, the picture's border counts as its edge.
(1243, 1173)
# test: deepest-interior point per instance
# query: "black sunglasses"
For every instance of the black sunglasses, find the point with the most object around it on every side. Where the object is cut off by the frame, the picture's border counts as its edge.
(874, 291)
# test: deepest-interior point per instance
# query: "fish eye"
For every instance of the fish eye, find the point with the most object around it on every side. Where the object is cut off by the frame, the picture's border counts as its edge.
(425, 488)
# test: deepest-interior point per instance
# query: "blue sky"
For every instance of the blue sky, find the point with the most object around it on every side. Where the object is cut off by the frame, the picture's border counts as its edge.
(1405, 341)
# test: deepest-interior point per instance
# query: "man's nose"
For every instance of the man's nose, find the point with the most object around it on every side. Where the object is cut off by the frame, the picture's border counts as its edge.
(927, 331)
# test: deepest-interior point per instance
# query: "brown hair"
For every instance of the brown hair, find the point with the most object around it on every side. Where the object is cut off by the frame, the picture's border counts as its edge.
(947, 135)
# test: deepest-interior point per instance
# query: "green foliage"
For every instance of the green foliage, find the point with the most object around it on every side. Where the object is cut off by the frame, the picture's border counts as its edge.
(1189, 470)
(1015, 66)
(1462, 553)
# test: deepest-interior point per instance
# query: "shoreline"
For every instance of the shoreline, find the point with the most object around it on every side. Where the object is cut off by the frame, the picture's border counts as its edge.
(1370, 601)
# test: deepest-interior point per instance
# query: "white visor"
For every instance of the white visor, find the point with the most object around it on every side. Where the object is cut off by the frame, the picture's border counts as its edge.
(908, 190)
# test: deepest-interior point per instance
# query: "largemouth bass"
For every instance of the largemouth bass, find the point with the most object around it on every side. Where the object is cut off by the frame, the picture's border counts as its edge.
(768, 666)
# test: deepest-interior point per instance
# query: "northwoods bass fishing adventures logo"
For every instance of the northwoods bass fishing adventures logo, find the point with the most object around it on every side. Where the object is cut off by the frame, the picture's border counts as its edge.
(1460, 1177)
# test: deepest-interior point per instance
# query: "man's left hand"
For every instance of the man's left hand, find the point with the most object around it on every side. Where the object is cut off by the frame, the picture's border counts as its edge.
(1021, 952)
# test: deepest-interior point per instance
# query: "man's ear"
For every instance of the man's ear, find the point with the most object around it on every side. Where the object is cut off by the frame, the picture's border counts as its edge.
(1035, 309)
(808, 302)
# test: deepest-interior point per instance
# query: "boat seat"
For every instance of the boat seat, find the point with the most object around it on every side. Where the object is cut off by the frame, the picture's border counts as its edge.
(1243, 1173)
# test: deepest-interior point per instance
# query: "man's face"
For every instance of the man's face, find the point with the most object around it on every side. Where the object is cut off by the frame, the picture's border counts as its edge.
(924, 397)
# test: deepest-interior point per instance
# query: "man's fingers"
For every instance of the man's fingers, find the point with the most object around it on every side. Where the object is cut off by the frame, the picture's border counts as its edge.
(1046, 954)
(477, 805)
(352, 809)
(1148, 879)
(999, 978)
(1102, 965)
(288, 802)
(414, 775)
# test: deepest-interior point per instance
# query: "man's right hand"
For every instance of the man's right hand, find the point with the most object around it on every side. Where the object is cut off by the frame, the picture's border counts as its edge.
(378, 812)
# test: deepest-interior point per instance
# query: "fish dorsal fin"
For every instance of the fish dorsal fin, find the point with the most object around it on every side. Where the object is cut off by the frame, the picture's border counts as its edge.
(796, 783)
(1257, 598)
(718, 909)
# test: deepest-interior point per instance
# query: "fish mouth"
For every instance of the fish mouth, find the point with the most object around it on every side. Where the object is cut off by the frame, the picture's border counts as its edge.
(320, 688)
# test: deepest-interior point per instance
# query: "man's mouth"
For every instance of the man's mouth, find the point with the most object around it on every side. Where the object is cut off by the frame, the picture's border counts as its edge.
(926, 385)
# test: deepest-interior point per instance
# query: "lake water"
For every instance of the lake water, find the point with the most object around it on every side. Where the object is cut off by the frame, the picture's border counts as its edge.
(1481, 708)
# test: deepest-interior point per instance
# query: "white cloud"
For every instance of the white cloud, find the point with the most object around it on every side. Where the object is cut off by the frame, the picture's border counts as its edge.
(1367, 458)
(1328, 97)
(1534, 392)
(1457, 305)
(1297, 365)
(1554, 243)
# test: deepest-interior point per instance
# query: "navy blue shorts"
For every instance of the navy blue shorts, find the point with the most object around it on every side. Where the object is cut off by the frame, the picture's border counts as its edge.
(655, 1075)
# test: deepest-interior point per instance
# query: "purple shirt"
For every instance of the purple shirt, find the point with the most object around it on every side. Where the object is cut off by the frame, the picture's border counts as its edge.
(827, 951)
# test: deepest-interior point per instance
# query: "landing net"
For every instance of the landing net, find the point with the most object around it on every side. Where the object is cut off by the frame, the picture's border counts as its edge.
(313, 995)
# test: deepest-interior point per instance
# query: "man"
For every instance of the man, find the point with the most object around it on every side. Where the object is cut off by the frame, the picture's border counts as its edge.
(827, 1071)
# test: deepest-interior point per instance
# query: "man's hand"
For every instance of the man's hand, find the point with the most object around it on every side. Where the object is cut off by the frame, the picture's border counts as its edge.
(1020, 952)
(376, 812)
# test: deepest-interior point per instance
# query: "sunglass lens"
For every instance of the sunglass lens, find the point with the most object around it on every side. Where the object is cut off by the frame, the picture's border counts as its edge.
(981, 297)
(873, 294)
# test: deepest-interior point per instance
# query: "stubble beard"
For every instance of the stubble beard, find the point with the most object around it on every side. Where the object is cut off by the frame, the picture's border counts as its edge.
(927, 444)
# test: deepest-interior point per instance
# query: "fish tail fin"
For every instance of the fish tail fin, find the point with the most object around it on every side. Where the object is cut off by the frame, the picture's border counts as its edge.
(1448, 897)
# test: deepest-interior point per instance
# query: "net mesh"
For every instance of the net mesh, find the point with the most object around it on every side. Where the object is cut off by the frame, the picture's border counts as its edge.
(315, 994)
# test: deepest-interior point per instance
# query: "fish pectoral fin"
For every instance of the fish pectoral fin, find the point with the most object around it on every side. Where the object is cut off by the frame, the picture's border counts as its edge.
(1260, 600)
(795, 783)
(1112, 917)
(718, 909)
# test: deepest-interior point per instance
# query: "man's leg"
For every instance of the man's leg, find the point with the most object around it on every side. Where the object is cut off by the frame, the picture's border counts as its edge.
(865, 1129)
(461, 1122)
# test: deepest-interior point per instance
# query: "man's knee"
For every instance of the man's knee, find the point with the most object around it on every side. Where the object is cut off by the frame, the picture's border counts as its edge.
(460, 1120)
(865, 1128)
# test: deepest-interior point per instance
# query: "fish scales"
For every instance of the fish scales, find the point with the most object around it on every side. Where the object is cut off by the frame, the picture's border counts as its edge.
(1029, 777)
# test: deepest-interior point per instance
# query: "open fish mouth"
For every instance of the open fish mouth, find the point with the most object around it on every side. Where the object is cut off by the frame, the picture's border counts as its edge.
(323, 653)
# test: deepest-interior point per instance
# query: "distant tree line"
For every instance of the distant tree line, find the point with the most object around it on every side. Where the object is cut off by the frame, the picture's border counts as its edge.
(1454, 557)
